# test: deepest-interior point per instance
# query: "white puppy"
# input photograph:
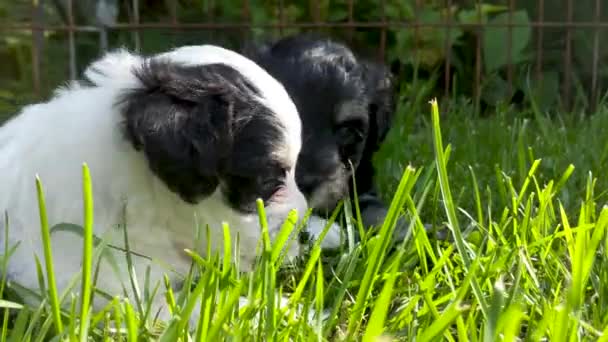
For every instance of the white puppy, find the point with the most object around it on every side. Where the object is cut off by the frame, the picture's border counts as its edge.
(191, 136)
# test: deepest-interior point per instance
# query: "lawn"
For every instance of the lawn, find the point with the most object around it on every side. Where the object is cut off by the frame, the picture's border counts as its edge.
(521, 192)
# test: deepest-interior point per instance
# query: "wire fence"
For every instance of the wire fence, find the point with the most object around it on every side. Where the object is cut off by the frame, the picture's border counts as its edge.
(562, 39)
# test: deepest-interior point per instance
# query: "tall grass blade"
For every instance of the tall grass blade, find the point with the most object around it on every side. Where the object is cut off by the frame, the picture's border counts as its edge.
(449, 204)
(281, 241)
(319, 299)
(130, 321)
(452, 312)
(376, 258)
(87, 254)
(18, 331)
(48, 258)
(376, 324)
(130, 266)
(5, 256)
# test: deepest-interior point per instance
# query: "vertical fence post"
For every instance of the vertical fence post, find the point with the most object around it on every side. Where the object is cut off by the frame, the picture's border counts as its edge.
(479, 33)
(416, 50)
(351, 16)
(38, 42)
(448, 49)
(539, 41)
(382, 48)
(172, 6)
(568, 57)
(315, 13)
(246, 17)
(136, 35)
(281, 17)
(511, 5)
(71, 40)
(596, 56)
(210, 9)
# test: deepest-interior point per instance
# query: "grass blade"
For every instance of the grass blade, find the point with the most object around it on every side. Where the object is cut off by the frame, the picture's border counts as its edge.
(376, 324)
(452, 312)
(379, 249)
(48, 258)
(449, 204)
(130, 321)
(10, 305)
(87, 254)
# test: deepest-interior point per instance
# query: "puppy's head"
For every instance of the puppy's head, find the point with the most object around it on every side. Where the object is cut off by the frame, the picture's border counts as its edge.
(218, 131)
(345, 105)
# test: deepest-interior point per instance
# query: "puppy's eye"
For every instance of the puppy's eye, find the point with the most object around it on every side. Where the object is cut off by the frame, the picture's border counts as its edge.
(268, 186)
(272, 184)
(349, 134)
(274, 180)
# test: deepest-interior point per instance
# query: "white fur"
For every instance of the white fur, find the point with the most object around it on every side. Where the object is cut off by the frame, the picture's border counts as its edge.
(81, 124)
(315, 226)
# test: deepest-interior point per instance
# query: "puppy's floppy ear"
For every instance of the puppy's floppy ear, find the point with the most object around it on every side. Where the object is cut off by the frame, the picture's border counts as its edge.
(181, 118)
(379, 87)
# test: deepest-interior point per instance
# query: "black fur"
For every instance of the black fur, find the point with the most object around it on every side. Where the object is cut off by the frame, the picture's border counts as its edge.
(201, 127)
(321, 75)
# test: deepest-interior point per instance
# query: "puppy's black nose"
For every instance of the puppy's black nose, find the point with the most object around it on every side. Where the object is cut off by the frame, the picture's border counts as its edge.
(304, 237)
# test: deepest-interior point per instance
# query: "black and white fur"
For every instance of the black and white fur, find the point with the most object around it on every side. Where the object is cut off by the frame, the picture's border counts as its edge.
(184, 138)
(346, 105)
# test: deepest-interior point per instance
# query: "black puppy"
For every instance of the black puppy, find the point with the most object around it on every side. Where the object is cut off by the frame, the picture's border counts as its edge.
(346, 105)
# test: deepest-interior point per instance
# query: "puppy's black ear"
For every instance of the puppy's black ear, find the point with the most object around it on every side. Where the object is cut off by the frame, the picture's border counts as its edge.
(182, 119)
(379, 87)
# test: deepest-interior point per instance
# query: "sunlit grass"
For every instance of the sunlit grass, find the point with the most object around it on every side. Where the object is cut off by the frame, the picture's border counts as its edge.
(525, 258)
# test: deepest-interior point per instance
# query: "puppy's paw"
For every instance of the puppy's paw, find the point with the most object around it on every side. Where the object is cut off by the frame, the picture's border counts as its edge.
(314, 229)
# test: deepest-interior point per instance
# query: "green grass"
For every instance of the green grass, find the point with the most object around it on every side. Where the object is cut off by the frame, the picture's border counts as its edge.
(522, 194)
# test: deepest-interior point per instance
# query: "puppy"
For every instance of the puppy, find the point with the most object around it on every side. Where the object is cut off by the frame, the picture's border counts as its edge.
(177, 140)
(346, 105)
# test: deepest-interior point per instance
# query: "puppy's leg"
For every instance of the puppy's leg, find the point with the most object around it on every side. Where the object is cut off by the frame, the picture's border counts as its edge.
(314, 229)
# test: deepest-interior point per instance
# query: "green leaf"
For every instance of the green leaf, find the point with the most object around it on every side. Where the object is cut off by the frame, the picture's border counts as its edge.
(545, 90)
(479, 14)
(495, 40)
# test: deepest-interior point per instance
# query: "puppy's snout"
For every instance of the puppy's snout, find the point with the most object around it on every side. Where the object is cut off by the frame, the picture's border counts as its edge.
(305, 182)
(307, 187)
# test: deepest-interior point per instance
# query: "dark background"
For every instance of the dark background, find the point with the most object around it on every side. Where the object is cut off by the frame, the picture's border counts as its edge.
(556, 48)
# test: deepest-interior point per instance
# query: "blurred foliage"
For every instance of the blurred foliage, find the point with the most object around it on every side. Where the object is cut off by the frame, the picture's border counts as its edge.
(413, 52)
